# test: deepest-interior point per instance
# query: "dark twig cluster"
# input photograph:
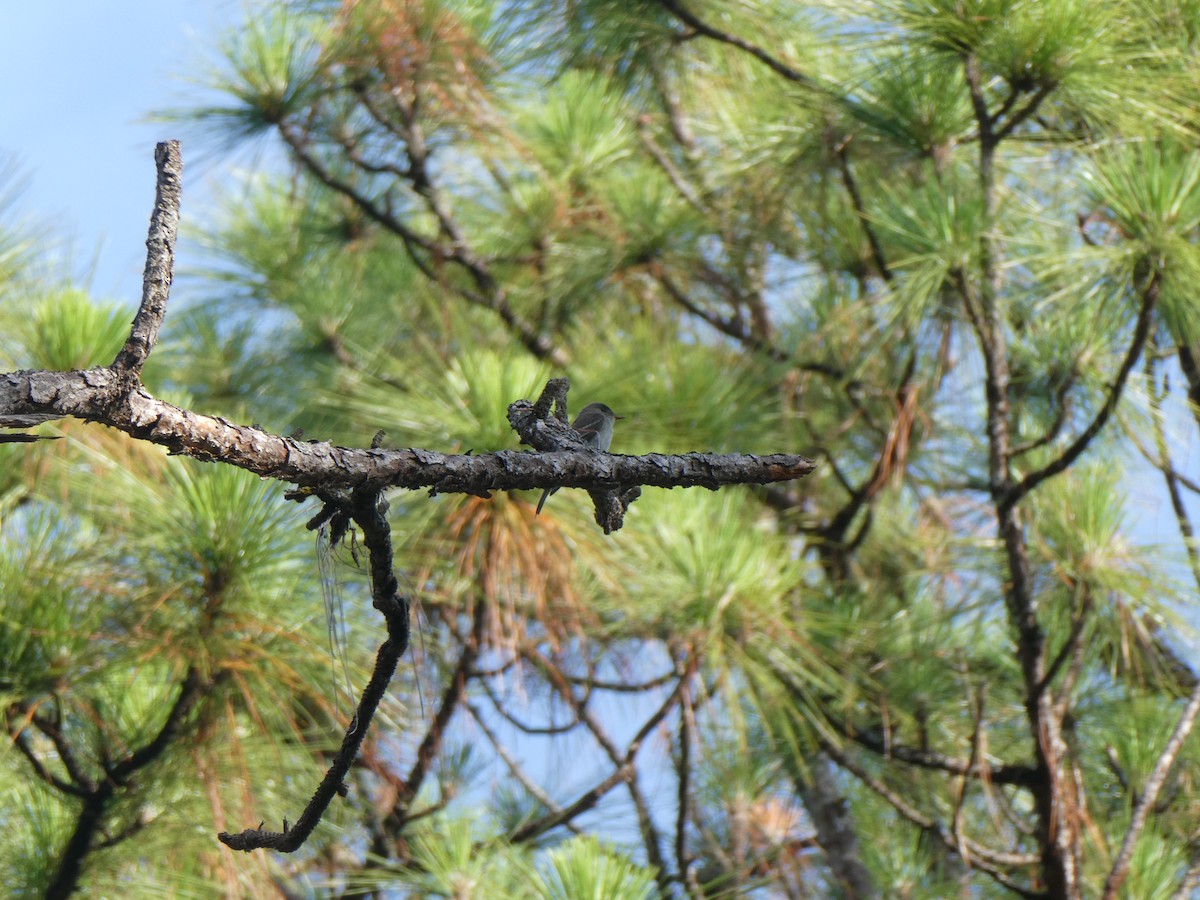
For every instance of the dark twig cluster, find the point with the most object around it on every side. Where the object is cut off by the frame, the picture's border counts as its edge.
(365, 508)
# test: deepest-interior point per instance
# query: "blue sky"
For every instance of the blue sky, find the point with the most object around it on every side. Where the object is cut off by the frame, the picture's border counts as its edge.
(80, 82)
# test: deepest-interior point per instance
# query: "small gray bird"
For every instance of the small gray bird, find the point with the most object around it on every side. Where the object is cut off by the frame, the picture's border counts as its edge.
(595, 424)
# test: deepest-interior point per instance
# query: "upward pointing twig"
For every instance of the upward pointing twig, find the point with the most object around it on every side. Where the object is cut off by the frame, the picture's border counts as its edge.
(160, 260)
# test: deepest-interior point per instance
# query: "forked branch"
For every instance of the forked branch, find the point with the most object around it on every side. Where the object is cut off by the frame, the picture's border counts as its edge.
(350, 482)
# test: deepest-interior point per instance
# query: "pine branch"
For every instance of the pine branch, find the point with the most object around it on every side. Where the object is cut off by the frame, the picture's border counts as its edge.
(776, 65)
(99, 794)
(985, 858)
(1120, 868)
(1141, 333)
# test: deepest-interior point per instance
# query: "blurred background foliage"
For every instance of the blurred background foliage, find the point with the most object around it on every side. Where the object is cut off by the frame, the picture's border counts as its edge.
(737, 256)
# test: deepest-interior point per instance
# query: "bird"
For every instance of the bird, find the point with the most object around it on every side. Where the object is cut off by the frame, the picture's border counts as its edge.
(595, 425)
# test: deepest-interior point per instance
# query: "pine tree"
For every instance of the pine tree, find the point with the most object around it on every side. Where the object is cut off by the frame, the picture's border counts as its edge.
(945, 248)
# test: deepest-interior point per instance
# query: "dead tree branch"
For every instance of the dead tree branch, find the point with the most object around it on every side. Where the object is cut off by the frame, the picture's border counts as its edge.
(365, 508)
(350, 484)
(160, 260)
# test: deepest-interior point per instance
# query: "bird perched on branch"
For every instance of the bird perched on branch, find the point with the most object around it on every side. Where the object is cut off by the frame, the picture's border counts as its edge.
(595, 425)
